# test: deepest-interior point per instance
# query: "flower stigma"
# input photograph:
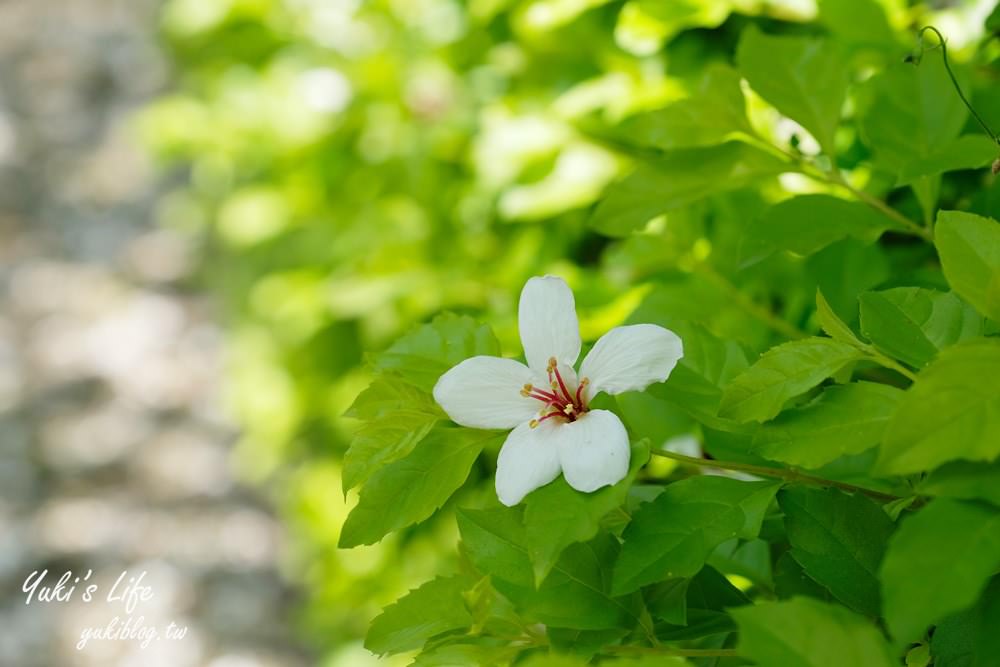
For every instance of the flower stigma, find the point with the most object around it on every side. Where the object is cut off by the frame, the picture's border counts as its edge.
(560, 401)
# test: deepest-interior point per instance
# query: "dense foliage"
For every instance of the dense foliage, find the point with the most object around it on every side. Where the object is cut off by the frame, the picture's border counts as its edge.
(800, 193)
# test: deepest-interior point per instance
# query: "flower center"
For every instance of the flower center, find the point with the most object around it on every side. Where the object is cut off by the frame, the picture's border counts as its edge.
(560, 401)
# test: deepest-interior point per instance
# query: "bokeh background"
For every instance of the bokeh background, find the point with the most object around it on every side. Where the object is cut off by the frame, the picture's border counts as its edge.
(212, 209)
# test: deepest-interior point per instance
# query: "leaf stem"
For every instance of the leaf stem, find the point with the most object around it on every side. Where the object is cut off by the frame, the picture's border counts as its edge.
(886, 362)
(834, 177)
(787, 474)
(784, 327)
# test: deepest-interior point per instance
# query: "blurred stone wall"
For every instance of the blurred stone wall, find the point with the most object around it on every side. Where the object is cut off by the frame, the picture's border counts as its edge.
(113, 447)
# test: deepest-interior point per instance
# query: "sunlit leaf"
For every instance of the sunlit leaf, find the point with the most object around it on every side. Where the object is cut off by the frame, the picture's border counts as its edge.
(969, 247)
(804, 78)
(673, 535)
(951, 412)
(807, 633)
(950, 547)
(781, 373)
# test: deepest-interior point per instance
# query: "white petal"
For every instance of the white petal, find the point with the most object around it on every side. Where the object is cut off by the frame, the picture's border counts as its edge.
(546, 318)
(485, 392)
(528, 460)
(631, 358)
(593, 451)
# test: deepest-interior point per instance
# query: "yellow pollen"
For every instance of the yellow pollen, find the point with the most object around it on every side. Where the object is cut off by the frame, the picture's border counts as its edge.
(552, 362)
(533, 423)
(584, 382)
(568, 409)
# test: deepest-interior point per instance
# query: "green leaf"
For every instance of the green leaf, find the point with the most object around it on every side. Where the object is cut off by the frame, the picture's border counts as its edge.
(832, 325)
(397, 415)
(951, 412)
(846, 268)
(435, 607)
(912, 323)
(859, 22)
(838, 539)
(781, 373)
(677, 179)
(964, 480)
(969, 247)
(844, 419)
(409, 490)
(938, 562)
(802, 632)
(695, 385)
(911, 113)
(423, 355)
(790, 580)
(806, 224)
(470, 651)
(969, 638)
(704, 596)
(576, 592)
(804, 78)
(673, 535)
(715, 112)
(557, 515)
(971, 151)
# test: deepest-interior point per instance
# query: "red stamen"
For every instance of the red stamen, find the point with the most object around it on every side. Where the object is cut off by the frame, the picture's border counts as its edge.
(553, 365)
(554, 413)
(583, 383)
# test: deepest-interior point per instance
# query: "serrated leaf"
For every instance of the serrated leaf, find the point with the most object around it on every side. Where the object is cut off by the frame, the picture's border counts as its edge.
(938, 562)
(425, 353)
(838, 539)
(913, 323)
(398, 416)
(951, 412)
(782, 373)
(832, 325)
(412, 488)
(715, 111)
(802, 632)
(804, 78)
(846, 268)
(435, 607)
(673, 535)
(969, 247)
(677, 179)
(806, 224)
(557, 515)
(706, 595)
(844, 419)
(576, 592)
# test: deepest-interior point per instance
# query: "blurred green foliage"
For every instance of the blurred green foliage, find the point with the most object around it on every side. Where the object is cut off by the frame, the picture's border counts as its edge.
(352, 168)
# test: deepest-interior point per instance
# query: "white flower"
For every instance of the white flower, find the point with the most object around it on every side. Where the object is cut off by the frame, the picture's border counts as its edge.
(554, 429)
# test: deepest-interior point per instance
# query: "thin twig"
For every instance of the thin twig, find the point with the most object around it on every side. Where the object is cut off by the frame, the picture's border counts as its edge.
(786, 474)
